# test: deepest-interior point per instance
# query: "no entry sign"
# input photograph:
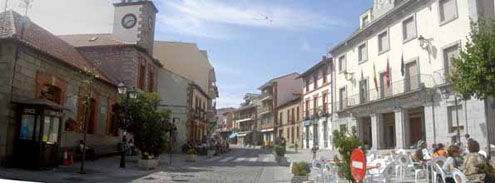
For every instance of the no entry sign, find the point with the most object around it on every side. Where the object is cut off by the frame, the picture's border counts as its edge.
(358, 164)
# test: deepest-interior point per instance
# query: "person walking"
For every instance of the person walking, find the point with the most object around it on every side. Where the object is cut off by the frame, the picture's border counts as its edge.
(314, 149)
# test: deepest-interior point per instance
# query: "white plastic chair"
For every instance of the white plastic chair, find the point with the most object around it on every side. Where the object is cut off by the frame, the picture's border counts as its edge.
(402, 162)
(437, 161)
(483, 153)
(400, 151)
(459, 177)
(383, 176)
(439, 171)
(330, 174)
(317, 167)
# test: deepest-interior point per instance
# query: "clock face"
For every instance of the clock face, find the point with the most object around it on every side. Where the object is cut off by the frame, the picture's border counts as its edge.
(150, 23)
(129, 21)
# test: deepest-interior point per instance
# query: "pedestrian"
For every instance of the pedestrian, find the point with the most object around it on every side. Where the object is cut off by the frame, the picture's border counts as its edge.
(296, 146)
(314, 149)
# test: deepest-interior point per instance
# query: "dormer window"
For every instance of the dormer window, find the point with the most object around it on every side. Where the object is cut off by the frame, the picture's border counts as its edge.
(365, 21)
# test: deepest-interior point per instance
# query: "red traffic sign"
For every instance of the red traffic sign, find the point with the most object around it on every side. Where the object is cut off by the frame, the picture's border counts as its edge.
(358, 164)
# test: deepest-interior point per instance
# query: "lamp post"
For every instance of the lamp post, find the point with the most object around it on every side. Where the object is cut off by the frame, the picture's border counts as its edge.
(126, 95)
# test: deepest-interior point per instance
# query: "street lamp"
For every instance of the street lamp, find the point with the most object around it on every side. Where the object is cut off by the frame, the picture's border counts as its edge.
(129, 95)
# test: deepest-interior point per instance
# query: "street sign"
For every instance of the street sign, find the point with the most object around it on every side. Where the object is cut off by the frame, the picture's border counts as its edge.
(358, 164)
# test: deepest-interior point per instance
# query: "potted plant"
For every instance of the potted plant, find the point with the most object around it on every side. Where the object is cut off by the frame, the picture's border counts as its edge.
(300, 171)
(279, 153)
(191, 155)
(147, 162)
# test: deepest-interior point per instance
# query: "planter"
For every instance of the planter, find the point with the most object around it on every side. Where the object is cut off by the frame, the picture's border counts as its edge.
(211, 153)
(191, 158)
(299, 179)
(148, 164)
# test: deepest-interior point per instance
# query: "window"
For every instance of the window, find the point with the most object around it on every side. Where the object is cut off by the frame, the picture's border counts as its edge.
(141, 73)
(315, 81)
(447, 10)
(51, 93)
(365, 21)
(324, 74)
(315, 105)
(281, 118)
(449, 54)
(383, 43)
(297, 114)
(288, 116)
(307, 85)
(325, 103)
(293, 119)
(363, 91)
(363, 53)
(151, 80)
(453, 112)
(386, 89)
(343, 102)
(342, 64)
(297, 132)
(307, 109)
(411, 77)
(409, 29)
(27, 127)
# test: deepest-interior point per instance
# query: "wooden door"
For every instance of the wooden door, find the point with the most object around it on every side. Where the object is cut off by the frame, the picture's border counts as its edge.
(415, 126)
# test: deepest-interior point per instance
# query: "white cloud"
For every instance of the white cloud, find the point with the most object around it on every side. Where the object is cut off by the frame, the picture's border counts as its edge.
(69, 16)
(212, 18)
(229, 101)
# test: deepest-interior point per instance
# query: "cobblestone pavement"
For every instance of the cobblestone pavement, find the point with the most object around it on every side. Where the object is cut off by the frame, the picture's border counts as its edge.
(243, 165)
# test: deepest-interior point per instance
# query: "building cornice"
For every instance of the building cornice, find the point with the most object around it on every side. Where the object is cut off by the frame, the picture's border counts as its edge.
(396, 14)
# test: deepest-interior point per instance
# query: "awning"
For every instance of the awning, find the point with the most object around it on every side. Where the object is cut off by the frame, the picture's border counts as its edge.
(242, 134)
(267, 130)
(307, 122)
(233, 135)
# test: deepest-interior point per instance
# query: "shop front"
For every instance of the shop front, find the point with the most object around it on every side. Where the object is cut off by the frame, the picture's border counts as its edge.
(38, 138)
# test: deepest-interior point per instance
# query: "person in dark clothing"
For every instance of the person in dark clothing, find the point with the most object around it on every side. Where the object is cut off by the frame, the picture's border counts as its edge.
(90, 152)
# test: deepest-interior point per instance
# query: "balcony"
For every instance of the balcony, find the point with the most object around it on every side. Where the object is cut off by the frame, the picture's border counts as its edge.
(267, 125)
(265, 96)
(405, 86)
(244, 118)
(265, 110)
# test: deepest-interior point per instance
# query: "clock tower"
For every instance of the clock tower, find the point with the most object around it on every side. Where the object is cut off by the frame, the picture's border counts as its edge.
(134, 23)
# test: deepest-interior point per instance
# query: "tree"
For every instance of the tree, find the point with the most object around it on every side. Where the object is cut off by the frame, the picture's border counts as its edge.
(345, 143)
(148, 123)
(473, 74)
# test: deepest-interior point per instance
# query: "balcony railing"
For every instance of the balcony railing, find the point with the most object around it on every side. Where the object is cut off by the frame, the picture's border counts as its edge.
(265, 96)
(243, 118)
(409, 84)
(267, 125)
(265, 109)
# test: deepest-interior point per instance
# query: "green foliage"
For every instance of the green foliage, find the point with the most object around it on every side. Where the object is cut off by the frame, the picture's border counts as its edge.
(191, 152)
(279, 150)
(474, 72)
(345, 143)
(300, 169)
(148, 123)
(147, 156)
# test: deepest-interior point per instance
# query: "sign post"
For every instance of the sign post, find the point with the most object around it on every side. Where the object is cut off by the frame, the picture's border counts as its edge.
(358, 165)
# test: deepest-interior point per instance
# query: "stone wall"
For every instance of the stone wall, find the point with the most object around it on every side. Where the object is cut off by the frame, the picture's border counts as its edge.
(29, 65)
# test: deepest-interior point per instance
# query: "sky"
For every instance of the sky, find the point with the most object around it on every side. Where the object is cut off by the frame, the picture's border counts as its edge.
(249, 42)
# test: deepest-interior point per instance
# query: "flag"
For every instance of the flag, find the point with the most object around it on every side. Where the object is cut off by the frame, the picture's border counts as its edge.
(402, 66)
(374, 77)
(388, 73)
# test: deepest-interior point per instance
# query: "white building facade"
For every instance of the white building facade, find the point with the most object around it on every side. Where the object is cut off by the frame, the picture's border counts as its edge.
(391, 79)
(317, 105)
